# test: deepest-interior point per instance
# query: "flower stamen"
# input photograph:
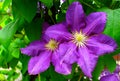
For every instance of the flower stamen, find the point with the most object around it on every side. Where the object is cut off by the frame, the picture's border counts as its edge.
(52, 45)
(79, 38)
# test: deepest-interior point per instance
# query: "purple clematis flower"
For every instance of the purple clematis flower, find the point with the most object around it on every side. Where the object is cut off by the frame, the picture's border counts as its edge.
(43, 52)
(85, 39)
(117, 70)
(107, 76)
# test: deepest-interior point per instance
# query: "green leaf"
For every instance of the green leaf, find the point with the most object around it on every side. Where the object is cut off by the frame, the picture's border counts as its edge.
(26, 78)
(70, 76)
(8, 32)
(13, 62)
(60, 17)
(7, 72)
(105, 61)
(2, 77)
(15, 76)
(43, 78)
(34, 29)
(47, 3)
(5, 54)
(16, 53)
(113, 24)
(6, 3)
(71, 1)
(55, 76)
(56, 4)
(98, 69)
(24, 60)
(49, 12)
(109, 62)
(24, 8)
(104, 2)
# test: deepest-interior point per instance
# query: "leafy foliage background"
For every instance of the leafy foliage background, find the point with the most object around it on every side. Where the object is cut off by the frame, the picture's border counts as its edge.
(21, 23)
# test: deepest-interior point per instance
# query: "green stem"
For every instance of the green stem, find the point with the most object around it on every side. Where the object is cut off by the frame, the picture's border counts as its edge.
(68, 2)
(112, 4)
(52, 19)
(39, 77)
(79, 79)
(88, 5)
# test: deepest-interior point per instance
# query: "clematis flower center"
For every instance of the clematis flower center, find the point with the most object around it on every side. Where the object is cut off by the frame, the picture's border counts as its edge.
(79, 38)
(52, 45)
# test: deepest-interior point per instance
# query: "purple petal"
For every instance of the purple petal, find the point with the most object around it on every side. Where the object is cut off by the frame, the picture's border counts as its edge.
(117, 69)
(111, 77)
(58, 32)
(105, 72)
(75, 16)
(101, 44)
(39, 63)
(68, 53)
(62, 68)
(55, 58)
(95, 23)
(33, 49)
(45, 38)
(87, 61)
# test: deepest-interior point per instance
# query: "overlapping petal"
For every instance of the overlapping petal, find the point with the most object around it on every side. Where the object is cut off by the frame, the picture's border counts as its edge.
(86, 61)
(34, 48)
(95, 23)
(105, 39)
(58, 32)
(107, 76)
(69, 54)
(75, 17)
(62, 68)
(117, 69)
(101, 44)
(111, 77)
(39, 63)
(105, 72)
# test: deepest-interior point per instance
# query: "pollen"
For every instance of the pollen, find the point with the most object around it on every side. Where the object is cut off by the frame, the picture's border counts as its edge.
(79, 38)
(52, 45)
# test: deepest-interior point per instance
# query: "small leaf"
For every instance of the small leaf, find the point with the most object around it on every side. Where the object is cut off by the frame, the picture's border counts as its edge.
(24, 60)
(6, 3)
(16, 53)
(8, 32)
(71, 1)
(24, 8)
(60, 17)
(26, 78)
(47, 3)
(34, 29)
(109, 62)
(55, 76)
(2, 77)
(13, 62)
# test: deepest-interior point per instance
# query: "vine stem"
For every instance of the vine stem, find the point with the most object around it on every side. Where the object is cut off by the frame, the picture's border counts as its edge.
(88, 5)
(68, 2)
(52, 19)
(39, 77)
(80, 77)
